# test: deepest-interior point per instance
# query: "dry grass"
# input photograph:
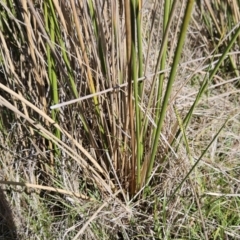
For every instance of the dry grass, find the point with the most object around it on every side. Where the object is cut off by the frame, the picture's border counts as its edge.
(58, 177)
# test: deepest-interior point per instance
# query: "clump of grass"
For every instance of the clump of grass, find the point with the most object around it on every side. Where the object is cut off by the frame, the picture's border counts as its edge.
(100, 120)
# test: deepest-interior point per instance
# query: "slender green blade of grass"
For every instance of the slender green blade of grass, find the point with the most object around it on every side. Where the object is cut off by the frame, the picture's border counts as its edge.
(162, 49)
(134, 74)
(162, 66)
(177, 56)
(197, 161)
(140, 88)
(209, 78)
(145, 165)
(49, 20)
(139, 43)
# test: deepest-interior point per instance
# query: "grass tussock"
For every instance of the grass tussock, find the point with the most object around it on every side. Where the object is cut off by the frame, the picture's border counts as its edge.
(120, 119)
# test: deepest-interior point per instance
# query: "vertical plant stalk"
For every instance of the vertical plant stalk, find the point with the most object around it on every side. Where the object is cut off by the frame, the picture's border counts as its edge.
(177, 56)
(102, 128)
(146, 162)
(32, 47)
(85, 57)
(138, 91)
(162, 64)
(69, 74)
(49, 64)
(35, 72)
(52, 71)
(162, 49)
(128, 25)
(134, 73)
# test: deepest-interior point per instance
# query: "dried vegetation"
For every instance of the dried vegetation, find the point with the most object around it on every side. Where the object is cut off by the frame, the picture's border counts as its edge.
(140, 154)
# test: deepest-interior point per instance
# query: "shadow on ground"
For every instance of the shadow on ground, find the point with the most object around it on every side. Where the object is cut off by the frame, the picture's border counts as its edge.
(7, 226)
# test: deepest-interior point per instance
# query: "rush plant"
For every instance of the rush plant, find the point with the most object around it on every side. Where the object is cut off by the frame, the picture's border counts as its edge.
(89, 92)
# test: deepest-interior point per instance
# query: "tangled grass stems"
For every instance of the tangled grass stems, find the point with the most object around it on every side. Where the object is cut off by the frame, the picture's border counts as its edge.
(110, 146)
